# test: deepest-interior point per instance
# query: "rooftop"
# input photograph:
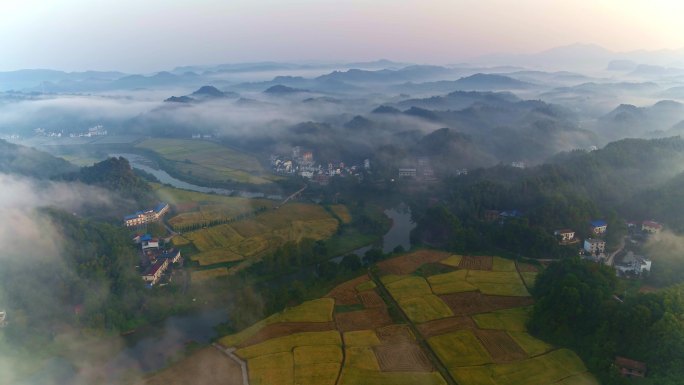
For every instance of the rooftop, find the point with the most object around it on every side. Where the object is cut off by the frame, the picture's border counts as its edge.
(630, 364)
(599, 223)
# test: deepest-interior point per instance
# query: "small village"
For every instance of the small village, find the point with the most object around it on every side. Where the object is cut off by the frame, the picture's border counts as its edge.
(301, 162)
(157, 260)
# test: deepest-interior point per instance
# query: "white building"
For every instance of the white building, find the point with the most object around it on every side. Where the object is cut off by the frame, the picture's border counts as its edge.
(594, 246)
(651, 227)
(565, 235)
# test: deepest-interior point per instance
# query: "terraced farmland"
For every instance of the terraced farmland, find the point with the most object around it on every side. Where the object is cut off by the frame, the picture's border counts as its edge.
(467, 337)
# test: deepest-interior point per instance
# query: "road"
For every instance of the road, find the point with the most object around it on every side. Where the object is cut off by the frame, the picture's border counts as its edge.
(292, 196)
(611, 258)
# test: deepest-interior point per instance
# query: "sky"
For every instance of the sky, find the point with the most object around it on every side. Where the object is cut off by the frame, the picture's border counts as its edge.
(153, 35)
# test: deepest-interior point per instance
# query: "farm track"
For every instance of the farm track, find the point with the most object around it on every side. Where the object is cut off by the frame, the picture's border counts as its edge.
(438, 364)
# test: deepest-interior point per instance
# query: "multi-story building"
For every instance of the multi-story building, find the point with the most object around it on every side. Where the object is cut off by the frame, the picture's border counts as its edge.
(598, 227)
(651, 227)
(565, 236)
(594, 246)
(147, 216)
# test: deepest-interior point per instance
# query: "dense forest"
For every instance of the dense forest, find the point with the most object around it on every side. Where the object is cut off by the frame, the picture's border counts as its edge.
(575, 307)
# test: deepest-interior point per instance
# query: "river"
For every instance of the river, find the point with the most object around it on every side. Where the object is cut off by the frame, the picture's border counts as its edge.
(142, 163)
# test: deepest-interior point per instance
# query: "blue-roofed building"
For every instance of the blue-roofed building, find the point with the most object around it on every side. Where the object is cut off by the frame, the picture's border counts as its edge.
(598, 227)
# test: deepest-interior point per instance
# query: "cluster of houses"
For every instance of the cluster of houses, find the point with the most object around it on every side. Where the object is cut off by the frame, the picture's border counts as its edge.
(97, 130)
(155, 260)
(594, 247)
(146, 216)
(302, 163)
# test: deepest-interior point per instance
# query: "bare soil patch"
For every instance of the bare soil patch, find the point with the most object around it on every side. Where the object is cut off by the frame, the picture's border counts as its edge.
(501, 347)
(476, 263)
(395, 334)
(409, 263)
(362, 319)
(402, 357)
(445, 325)
(371, 299)
(208, 366)
(475, 302)
(282, 329)
(526, 267)
(345, 293)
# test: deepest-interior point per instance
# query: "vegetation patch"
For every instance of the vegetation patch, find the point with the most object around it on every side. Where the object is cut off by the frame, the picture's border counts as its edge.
(342, 212)
(408, 286)
(501, 347)
(289, 342)
(371, 299)
(395, 334)
(452, 260)
(507, 319)
(445, 325)
(454, 282)
(459, 348)
(503, 264)
(361, 338)
(208, 161)
(346, 293)
(424, 308)
(476, 263)
(362, 319)
(272, 369)
(203, 275)
(529, 278)
(368, 285)
(408, 263)
(498, 282)
(316, 374)
(531, 345)
(282, 329)
(319, 310)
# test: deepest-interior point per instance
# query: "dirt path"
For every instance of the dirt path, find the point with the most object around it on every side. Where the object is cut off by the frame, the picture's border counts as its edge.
(419, 336)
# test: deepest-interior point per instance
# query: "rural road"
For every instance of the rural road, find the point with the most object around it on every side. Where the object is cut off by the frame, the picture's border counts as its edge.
(611, 259)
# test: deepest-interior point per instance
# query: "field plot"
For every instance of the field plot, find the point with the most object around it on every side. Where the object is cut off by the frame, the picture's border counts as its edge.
(453, 260)
(317, 364)
(402, 357)
(361, 338)
(529, 344)
(460, 348)
(502, 264)
(283, 329)
(371, 299)
(501, 347)
(526, 267)
(368, 285)
(395, 334)
(256, 236)
(272, 369)
(346, 293)
(209, 161)
(406, 286)
(445, 325)
(529, 278)
(316, 311)
(508, 319)
(476, 263)
(507, 283)
(454, 282)
(475, 302)
(424, 308)
(289, 342)
(362, 319)
(407, 264)
(547, 369)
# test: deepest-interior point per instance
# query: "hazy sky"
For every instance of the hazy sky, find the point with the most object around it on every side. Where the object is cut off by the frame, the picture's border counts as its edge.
(149, 35)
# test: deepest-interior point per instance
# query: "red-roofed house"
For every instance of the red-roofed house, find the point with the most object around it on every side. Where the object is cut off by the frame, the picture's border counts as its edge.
(652, 227)
(154, 272)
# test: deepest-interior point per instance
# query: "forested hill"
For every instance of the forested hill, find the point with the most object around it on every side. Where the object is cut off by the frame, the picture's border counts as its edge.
(115, 174)
(568, 192)
(88, 280)
(15, 159)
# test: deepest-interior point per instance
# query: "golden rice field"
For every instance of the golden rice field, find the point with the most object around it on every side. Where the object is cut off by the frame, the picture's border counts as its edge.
(260, 234)
(305, 344)
(342, 212)
(209, 161)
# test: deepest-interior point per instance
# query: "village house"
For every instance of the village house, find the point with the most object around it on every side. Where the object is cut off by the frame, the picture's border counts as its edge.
(630, 368)
(651, 227)
(491, 215)
(598, 227)
(147, 216)
(155, 271)
(633, 264)
(565, 236)
(407, 172)
(594, 246)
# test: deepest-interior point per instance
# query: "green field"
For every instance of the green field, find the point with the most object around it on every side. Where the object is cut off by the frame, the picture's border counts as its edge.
(460, 348)
(502, 264)
(507, 283)
(529, 344)
(424, 308)
(406, 286)
(507, 319)
(208, 161)
(361, 338)
(453, 282)
(274, 369)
